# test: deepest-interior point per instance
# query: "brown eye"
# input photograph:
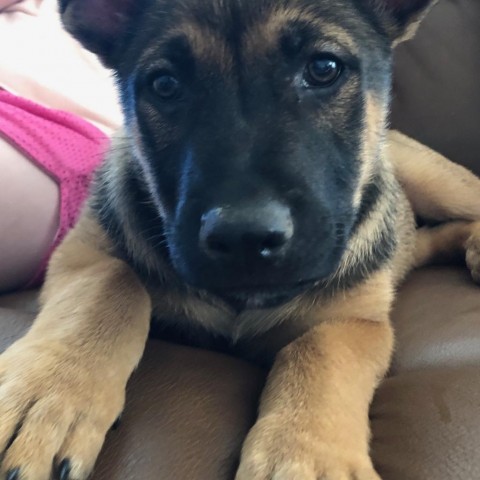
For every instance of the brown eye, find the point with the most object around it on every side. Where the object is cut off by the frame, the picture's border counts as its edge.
(167, 87)
(323, 71)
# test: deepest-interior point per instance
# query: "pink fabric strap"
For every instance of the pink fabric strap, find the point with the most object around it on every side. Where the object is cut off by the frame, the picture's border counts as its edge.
(64, 146)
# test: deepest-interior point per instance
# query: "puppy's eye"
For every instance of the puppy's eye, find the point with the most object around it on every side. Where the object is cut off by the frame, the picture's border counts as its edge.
(323, 71)
(167, 87)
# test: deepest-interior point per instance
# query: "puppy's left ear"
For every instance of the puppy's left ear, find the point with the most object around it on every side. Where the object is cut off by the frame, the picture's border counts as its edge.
(401, 18)
(102, 26)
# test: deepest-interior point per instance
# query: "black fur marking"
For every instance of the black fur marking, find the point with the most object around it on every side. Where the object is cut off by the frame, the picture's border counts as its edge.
(382, 251)
(294, 37)
(139, 207)
(364, 8)
(107, 214)
(246, 130)
(192, 336)
(371, 194)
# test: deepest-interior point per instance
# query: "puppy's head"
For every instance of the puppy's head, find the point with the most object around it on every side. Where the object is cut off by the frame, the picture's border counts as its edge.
(257, 123)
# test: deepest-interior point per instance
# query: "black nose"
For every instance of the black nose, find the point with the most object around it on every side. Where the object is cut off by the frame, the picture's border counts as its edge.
(251, 231)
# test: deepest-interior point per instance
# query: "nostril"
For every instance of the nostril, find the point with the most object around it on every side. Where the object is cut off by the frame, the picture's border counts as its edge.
(274, 241)
(217, 246)
(251, 232)
(272, 244)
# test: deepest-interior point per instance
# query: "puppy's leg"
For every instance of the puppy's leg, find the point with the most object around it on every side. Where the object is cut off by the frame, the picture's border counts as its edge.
(437, 188)
(313, 419)
(63, 385)
(449, 242)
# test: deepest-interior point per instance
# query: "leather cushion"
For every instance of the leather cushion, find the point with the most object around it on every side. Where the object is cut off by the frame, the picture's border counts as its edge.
(436, 82)
(189, 410)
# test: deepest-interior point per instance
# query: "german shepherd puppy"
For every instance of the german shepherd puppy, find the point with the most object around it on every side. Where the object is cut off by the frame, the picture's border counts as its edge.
(254, 199)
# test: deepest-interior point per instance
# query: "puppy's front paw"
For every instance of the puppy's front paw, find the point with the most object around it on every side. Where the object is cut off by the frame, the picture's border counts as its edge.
(473, 253)
(55, 410)
(275, 453)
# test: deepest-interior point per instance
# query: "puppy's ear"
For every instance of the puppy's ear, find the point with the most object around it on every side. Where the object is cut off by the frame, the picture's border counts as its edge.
(401, 18)
(100, 25)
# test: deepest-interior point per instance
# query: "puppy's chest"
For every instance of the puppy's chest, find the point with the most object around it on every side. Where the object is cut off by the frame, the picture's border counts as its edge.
(255, 335)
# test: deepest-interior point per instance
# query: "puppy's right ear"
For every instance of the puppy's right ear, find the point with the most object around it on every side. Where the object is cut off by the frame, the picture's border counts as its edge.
(401, 18)
(100, 25)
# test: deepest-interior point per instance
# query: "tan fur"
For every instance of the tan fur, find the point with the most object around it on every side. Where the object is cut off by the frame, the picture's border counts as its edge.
(266, 35)
(207, 46)
(334, 345)
(91, 333)
(440, 190)
(297, 403)
(313, 418)
(450, 242)
(134, 243)
(80, 352)
(437, 188)
(372, 141)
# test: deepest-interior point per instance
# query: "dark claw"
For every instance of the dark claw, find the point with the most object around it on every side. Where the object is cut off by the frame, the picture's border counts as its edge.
(64, 469)
(13, 437)
(13, 474)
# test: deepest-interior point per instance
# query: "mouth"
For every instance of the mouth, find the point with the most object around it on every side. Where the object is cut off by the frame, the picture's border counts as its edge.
(258, 298)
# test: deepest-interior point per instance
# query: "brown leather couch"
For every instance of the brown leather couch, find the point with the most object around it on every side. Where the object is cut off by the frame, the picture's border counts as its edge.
(189, 410)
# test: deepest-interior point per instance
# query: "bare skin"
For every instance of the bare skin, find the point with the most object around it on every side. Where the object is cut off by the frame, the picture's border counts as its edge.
(29, 217)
